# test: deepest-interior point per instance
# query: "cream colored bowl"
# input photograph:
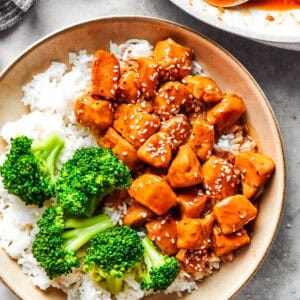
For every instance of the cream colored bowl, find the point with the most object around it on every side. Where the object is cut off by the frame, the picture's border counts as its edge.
(217, 63)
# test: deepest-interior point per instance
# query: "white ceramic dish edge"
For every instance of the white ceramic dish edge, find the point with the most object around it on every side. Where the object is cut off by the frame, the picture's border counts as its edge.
(284, 32)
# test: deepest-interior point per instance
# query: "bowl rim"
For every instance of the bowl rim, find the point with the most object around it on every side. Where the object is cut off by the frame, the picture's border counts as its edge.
(164, 21)
(230, 28)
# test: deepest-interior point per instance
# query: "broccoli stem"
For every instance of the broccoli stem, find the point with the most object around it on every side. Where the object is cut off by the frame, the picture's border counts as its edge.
(95, 201)
(152, 256)
(84, 222)
(114, 284)
(48, 150)
(76, 238)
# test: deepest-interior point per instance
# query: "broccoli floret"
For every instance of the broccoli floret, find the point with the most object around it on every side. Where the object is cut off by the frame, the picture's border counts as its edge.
(161, 270)
(55, 244)
(28, 171)
(112, 255)
(90, 175)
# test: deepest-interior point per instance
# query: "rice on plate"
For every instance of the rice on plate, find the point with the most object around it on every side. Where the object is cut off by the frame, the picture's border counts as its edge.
(51, 97)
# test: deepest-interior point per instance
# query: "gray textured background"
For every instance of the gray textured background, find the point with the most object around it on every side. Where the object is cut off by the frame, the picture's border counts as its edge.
(276, 70)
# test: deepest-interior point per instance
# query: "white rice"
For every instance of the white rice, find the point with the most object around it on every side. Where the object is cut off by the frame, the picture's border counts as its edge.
(197, 69)
(235, 142)
(115, 213)
(131, 49)
(55, 90)
(50, 96)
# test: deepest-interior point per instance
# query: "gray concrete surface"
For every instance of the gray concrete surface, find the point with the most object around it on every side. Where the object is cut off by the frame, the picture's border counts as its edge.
(276, 70)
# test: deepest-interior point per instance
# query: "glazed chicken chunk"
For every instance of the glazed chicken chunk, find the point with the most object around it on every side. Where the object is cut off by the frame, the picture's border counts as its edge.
(105, 75)
(256, 169)
(156, 151)
(153, 192)
(128, 87)
(220, 178)
(174, 60)
(177, 129)
(203, 88)
(185, 169)
(170, 98)
(134, 125)
(224, 244)
(202, 138)
(193, 261)
(227, 112)
(120, 147)
(139, 80)
(195, 233)
(93, 112)
(233, 212)
(148, 76)
(191, 202)
(137, 215)
(164, 233)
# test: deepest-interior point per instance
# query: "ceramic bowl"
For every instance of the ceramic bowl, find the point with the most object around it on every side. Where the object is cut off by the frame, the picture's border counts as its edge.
(217, 63)
(275, 28)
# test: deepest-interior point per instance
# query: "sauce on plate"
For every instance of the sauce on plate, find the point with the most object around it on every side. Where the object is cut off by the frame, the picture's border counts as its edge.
(273, 4)
(262, 4)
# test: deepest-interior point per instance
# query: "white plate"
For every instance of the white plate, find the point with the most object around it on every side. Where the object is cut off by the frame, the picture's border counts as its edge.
(283, 32)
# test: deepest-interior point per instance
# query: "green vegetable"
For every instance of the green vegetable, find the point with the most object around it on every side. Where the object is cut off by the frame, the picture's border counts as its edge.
(88, 177)
(28, 171)
(112, 255)
(161, 270)
(55, 245)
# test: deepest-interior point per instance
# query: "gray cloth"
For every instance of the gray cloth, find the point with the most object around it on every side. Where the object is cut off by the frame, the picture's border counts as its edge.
(12, 11)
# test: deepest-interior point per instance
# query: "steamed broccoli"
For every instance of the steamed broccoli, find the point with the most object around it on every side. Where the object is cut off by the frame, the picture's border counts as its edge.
(90, 175)
(161, 270)
(55, 245)
(28, 171)
(112, 255)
